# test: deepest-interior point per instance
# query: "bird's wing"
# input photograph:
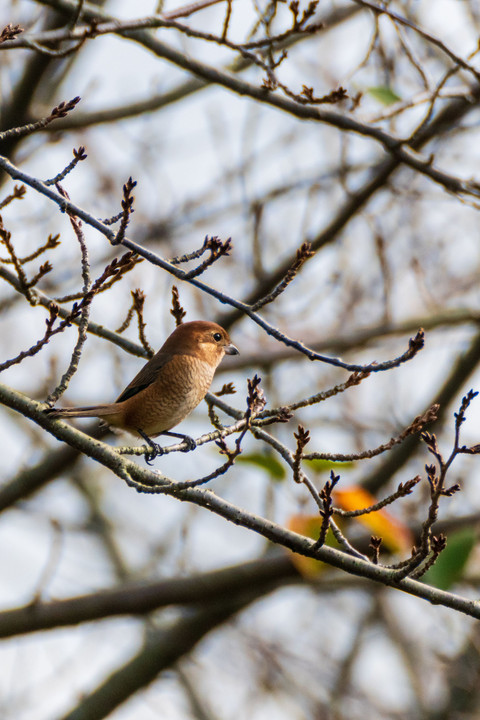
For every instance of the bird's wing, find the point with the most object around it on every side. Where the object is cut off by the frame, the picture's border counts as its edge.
(147, 375)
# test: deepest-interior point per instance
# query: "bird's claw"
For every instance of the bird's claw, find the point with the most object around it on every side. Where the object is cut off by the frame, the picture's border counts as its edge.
(190, 443)
(154, 452)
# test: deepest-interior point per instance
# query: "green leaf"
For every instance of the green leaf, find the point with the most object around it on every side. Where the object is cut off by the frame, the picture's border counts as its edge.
(267, 462)
(384, 94)
(451, 562)
(321, 465)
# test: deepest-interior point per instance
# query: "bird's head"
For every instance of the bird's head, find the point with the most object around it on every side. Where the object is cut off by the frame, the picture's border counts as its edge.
(204, 340)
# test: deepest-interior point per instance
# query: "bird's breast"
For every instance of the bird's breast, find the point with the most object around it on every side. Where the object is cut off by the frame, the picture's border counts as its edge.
(179, 387)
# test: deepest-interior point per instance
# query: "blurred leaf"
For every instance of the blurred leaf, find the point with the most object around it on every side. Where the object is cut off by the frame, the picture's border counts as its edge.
(309, 525)
(395, 534)
(384, 94)
(267, 462)
(451, 563)
(320, 465)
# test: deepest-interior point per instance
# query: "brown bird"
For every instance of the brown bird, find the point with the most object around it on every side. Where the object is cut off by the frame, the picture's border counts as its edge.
(167, 388)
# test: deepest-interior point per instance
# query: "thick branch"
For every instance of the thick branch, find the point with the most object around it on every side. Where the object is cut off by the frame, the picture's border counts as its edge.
(143, 597)
(415, 343)
(304, 112)
(148, 481)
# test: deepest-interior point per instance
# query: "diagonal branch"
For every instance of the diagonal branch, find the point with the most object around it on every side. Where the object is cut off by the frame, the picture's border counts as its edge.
(390, 143)
(148, 480)
(415, 344)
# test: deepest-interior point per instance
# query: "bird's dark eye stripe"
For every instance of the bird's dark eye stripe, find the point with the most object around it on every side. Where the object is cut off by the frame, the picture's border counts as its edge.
(217, 337)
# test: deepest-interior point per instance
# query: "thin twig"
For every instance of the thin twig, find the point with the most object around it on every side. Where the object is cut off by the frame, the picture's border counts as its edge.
(383, 10)
(217, 250)
(327, 510)
(127, 210)
(402, 490)
(24, 285)
(49, 332)
(303, 254)
(59, 111)
(10, 32)
(415, 427)
(53, 241)
(415, 344)
(78, 156)
(177, 310)
(17, 194)
(84, 314)
(138, 303)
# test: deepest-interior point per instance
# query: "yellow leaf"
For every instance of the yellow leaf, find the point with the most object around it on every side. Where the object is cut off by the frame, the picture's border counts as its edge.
(396, 536)
(309, 526)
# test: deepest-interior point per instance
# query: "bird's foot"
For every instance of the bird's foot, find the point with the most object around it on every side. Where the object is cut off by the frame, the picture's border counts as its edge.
(153, 450)
(190, 443)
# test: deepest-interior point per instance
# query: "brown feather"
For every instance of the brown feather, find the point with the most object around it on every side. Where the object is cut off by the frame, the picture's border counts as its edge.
(87, 411)
(169, 386)
(147, 375)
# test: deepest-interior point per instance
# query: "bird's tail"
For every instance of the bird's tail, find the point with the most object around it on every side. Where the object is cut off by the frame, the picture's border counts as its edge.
(90, 411)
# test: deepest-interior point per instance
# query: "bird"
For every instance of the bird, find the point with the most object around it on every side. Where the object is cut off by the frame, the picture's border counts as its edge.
(166, 390)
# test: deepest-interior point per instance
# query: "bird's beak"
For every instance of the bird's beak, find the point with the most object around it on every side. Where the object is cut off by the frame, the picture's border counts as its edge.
(231, 350)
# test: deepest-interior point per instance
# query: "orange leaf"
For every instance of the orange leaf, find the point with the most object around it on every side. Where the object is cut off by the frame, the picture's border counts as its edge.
(310, 526)
(396, 536)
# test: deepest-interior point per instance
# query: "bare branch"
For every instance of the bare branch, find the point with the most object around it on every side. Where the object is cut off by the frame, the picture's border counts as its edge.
(17, 194)
(127, 210)
(78, 156)
(177, 310)
(303, 254)
(58, 112)
(10, 32)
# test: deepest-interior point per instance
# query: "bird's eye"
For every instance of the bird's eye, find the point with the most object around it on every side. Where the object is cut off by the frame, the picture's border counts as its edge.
(217, 337)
